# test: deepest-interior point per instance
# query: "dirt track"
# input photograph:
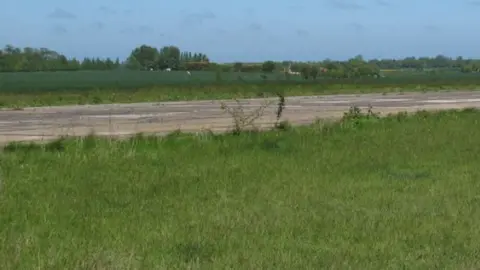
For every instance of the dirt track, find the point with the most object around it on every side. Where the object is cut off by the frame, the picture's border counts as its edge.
(123, 119)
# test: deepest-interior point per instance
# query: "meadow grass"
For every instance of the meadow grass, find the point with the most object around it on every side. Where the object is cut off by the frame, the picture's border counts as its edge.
(392, 193)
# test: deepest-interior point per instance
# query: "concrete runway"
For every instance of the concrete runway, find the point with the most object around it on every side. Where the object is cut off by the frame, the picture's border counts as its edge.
(45, 123)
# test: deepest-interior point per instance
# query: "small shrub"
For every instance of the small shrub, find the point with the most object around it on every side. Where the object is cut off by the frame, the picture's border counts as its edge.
(354, 116)
(97, 100)
(241, 119)
(280, 108)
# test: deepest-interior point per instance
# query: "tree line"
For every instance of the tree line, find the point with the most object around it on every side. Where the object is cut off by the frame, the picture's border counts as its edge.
(13, 59)
(150, 58)
(169, 57)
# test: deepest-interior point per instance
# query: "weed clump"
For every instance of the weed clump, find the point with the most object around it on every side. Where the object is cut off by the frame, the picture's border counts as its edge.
(243, 120)
(355, 116)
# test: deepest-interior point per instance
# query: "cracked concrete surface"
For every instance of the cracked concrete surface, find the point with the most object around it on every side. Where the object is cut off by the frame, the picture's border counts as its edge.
(45, 123)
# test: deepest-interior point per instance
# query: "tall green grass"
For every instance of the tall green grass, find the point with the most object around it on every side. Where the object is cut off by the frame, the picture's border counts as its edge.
(393, 193)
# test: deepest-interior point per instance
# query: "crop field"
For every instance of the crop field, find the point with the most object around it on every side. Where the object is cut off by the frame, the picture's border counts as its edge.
(19, 90)
(88, 80)
(366, 193)
(80, 80)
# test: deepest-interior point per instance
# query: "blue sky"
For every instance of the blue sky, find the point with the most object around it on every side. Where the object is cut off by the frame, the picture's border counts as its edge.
(247, 30)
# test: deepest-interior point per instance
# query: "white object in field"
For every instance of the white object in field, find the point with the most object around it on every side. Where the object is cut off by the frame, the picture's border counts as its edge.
(289, 71)
(189, 74)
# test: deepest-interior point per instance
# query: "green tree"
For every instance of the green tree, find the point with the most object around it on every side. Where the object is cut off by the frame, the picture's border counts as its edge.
(314, 72)
(169, 57)
(467, 69)
(146, 56)
(31, 59)
(237, 66)
(133, 63)
(305, 71)
(268, 66)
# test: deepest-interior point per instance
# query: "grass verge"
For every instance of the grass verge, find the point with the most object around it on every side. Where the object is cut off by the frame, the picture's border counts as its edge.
(365, 193)
(21, 99)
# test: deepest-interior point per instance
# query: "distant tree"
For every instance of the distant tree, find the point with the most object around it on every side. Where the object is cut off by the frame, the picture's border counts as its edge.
(133, 64)
(314, 72)
(286, 64)
(28, 59)
(31, 59)
(268, 66)
(74, 64)
(305, 71)
(146, 56)
(169, 57)
(367, 70)
(237, 67)
(467, 69)
(297, 67)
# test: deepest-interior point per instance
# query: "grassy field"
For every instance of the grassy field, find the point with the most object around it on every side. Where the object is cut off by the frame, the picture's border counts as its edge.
(85, 80)
(128, 80)
(202, 92)
(124, 80)
(19, 90)
(393, 193)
